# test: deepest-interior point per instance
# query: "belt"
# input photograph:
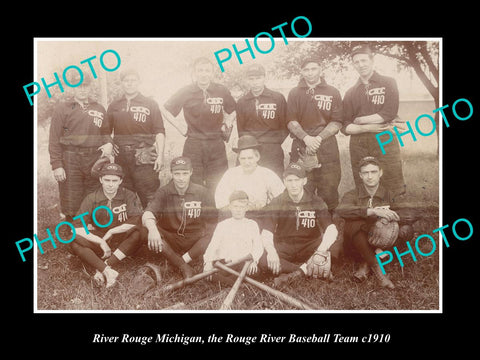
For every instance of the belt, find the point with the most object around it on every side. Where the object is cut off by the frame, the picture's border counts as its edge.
(128, 147)
(80, 149)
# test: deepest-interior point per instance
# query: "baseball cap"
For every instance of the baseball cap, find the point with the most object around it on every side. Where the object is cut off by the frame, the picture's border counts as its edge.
(294, 169)
(246, 142)
(368, 160)
(255, 70)
(309, 60)
(238, 195)
(111, 169)
(361, 49)
(181, 163)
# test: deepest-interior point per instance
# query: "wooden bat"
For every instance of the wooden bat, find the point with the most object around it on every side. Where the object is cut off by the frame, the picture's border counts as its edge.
(202, 275)
(278, 294)
(227, 303)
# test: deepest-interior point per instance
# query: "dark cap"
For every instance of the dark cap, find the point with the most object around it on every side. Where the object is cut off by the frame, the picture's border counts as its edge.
(128, 72)
(246, 142)
(368, 160)
(181, 163)
(294, 169)
(255, 70)
(238, 195)
(309, 60)
(361, 49)
(111, 169)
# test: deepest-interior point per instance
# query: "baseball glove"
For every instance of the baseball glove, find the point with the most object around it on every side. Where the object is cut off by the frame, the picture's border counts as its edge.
(383, 234)
(98, 165)
(226, 132)
(143, 280)
(309, 162)
(319, 264)
(145, 155)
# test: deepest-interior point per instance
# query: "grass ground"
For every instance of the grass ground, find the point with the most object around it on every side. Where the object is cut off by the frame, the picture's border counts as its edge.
(63, 283)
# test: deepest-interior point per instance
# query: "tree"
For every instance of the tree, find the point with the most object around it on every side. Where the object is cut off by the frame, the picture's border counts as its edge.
(421, 56)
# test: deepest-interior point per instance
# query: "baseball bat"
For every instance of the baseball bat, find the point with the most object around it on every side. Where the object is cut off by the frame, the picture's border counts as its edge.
(278, 294)
(227, 302)
(202, 275)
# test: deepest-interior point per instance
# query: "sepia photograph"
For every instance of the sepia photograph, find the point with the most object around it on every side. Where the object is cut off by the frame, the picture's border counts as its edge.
(179, 175)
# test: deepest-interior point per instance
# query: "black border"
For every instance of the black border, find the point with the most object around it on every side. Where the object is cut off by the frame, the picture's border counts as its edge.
(52, 333)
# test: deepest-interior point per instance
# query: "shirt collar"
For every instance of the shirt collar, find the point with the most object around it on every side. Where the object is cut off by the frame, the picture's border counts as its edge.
(307, 196)
(266, 92)
(100, 195)
(381, 192)
(373, 79)
(303, 83)
(173, 191)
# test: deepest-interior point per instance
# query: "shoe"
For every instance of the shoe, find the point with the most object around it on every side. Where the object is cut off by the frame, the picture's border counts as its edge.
(283, 280)
(111, 276)
(383, 280)
(362, 272)
(98, 278)
(187, 271)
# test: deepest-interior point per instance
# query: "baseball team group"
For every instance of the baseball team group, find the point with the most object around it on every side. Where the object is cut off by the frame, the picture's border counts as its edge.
(285, 218)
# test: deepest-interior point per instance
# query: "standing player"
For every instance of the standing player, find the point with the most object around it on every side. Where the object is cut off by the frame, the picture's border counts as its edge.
(204, 105)
(262, 113)
(140, 136)
(91, 246)
(314, 117)
(180, 219)
(297, 231)
(79, 135)
(369, 106)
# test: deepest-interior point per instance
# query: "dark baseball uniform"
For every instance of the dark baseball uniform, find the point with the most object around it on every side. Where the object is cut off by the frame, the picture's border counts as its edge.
(135, 124)
(126, 208)
(297, 228)
(313, 109)
(203, 112)
(353, 208)
(76, 132)
(186, 222)
(380, 96)
(265, 117)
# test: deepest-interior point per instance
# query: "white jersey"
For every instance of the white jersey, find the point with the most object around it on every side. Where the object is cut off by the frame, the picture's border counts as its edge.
(234, 239)
(261, 186)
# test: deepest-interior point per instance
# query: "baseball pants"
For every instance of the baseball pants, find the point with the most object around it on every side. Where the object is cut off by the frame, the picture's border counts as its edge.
(174, 246)
(323, 181)
(209, 161)
(91, 253)
(141, 179)
(292, 253)
(77, 163)
(272, 157)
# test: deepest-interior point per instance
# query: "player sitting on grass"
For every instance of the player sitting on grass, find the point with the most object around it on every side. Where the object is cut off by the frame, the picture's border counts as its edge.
(179, 221)
(297, 231)
(235, 238)
(362, 208)
(90, 244)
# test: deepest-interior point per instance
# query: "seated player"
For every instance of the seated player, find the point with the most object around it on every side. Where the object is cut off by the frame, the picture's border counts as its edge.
(297, 231)
(180, 219)
(91, 246)
(361, 208)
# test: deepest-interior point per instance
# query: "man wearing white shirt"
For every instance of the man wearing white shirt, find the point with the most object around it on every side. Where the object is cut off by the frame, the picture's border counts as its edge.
(261, 184)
